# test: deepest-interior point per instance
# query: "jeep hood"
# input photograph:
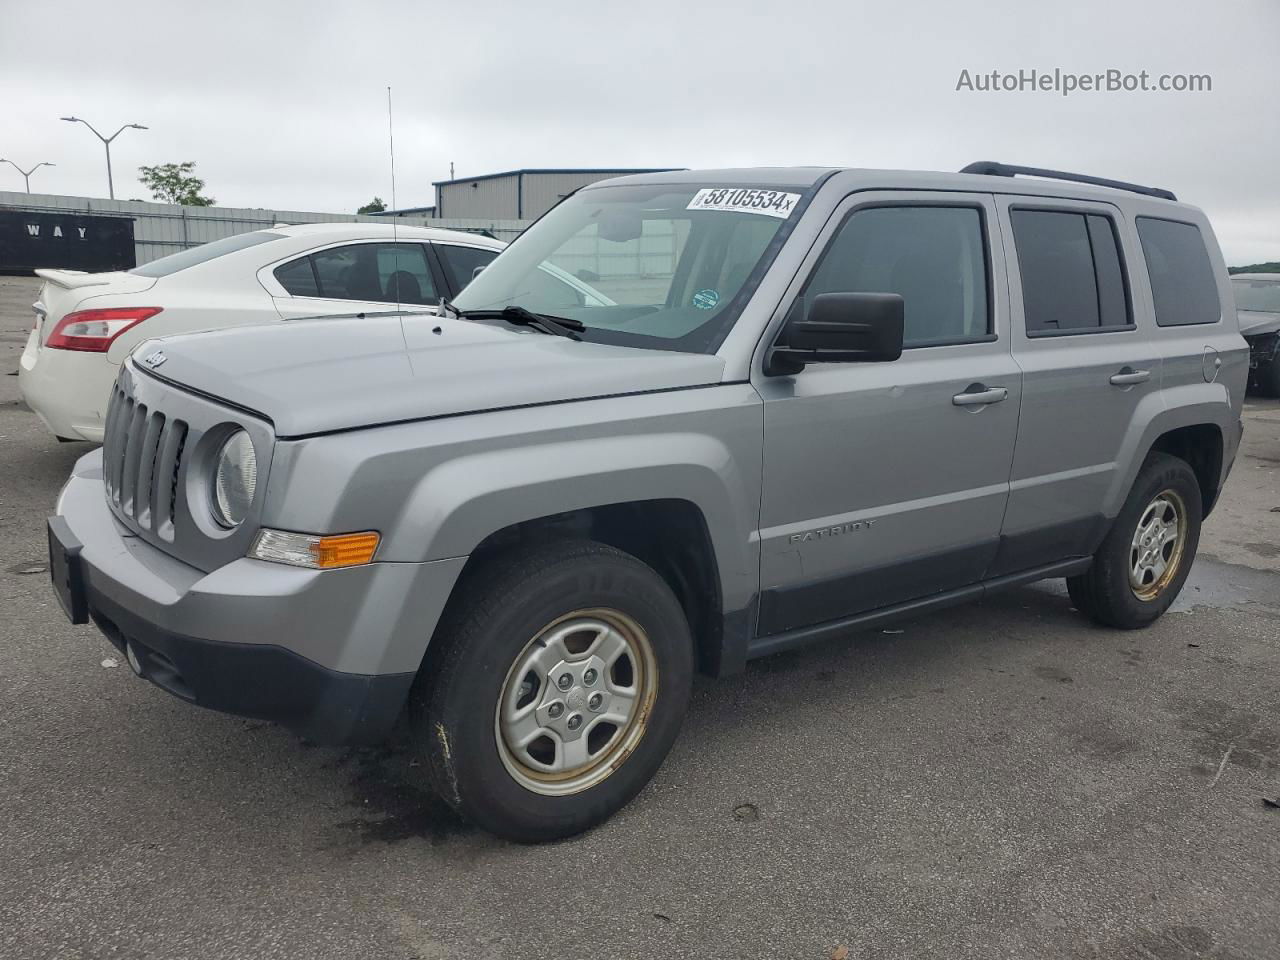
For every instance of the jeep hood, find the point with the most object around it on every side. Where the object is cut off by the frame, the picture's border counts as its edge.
(1254, 323)
(317, 376)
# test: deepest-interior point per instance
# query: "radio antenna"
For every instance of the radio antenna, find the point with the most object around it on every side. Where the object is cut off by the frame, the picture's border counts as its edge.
(391, 140)
(395, 227)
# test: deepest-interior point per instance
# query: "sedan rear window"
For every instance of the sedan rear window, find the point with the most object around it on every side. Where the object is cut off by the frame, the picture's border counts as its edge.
(204, 253)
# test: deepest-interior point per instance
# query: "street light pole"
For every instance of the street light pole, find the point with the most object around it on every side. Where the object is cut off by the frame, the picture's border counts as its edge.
(26, 174)
(106, 143)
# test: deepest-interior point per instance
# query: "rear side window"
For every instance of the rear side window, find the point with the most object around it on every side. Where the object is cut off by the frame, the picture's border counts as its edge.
(462, 262)
(1073, 279)
(933, 257)
(377, 272)
(1183, 287)
(204, 253)
(298, 278)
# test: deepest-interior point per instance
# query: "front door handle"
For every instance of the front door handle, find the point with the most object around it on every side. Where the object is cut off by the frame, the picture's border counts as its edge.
(1128, 376)
(977, 394)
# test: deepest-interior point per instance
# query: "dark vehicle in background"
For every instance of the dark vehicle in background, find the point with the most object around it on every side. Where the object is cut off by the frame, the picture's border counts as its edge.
(1258, 306)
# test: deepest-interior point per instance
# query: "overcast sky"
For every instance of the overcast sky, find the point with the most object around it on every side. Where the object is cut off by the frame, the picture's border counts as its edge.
(282, 104)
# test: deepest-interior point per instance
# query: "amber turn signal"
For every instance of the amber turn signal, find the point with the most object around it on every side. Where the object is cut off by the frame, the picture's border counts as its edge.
(348, 550)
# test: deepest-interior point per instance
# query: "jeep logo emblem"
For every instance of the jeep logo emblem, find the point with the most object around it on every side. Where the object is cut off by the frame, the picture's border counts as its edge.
(154, 360)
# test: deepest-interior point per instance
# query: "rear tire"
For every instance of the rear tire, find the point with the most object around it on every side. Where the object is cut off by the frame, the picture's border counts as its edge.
(553, 690)
(1145, 558)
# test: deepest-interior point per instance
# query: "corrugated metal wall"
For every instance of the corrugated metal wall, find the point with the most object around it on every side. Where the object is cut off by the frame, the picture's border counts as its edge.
(542, 191)
(161, 229)
(525, 195)
(490, 197)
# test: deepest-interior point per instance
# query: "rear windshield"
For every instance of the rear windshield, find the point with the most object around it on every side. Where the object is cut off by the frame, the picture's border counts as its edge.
(1262, 295)
(204, 253)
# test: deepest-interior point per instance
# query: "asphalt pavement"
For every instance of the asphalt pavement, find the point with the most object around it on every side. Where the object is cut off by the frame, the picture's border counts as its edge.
(1003, 780)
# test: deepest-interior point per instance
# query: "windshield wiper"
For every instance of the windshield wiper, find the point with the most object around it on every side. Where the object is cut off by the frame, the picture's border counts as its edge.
(520, 317)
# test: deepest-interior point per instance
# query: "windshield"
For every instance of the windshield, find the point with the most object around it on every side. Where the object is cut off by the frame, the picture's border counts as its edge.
(1261, 295)
(665, 266)
(203, 253)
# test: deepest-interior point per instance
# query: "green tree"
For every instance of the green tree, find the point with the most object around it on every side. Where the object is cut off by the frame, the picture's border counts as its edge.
(175, 183)
(373, 206)
(1271, 266)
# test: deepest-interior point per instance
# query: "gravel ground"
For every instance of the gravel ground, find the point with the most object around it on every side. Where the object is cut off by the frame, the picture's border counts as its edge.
(1002, 780)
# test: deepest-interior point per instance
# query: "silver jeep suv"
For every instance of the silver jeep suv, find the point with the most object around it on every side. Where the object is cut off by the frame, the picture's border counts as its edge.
(784, 404)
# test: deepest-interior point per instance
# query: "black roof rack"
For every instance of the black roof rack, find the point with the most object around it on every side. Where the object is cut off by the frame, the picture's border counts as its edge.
(989, 168)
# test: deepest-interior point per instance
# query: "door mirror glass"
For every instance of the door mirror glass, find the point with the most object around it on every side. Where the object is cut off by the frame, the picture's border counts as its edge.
(841, 328)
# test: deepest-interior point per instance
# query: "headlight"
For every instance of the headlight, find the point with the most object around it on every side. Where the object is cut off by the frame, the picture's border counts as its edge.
(235, 479)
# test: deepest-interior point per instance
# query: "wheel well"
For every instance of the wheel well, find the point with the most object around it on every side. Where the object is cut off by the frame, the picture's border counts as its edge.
(1201, 447)
(671, 536)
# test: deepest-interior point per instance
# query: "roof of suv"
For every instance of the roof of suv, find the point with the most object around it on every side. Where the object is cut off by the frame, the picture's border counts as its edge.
(887, 179)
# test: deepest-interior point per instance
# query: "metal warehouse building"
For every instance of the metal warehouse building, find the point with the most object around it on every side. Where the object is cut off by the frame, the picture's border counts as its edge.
(516, 194)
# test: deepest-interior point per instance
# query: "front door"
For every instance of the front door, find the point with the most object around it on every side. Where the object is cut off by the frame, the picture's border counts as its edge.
(887, 482)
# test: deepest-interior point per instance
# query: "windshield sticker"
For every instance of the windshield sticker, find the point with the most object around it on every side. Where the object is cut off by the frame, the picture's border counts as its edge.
(706, 299)
(772, 203)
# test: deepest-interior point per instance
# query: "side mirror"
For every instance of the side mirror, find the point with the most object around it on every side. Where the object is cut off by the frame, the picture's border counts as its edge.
(840, 328)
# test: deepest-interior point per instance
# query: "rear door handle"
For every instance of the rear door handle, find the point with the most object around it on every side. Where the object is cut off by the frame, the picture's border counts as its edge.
(1128, 376)
(977, 394)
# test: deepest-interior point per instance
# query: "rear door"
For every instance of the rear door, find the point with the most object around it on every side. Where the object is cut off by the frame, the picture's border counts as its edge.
(355, 277)
(887, 482)
(1089, 361)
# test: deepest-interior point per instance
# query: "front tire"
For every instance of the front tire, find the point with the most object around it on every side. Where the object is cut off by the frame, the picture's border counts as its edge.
(553, 690)
(1145, 558)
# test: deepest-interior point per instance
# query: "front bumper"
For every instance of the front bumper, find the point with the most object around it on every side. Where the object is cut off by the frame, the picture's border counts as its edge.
(330, 654)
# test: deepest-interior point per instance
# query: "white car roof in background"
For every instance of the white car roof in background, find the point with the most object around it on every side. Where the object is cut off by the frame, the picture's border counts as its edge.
(376, 231)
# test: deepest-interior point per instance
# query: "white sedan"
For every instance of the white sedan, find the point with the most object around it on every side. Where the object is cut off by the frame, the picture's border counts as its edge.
(87, 323)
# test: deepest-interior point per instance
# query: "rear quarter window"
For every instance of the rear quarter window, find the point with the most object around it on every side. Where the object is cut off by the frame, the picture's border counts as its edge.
(1183, 287)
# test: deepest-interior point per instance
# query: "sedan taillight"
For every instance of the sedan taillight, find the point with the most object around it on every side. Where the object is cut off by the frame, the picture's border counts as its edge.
(93, 331)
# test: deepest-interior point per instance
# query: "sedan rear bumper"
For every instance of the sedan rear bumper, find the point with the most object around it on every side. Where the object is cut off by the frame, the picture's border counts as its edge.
(67, 389)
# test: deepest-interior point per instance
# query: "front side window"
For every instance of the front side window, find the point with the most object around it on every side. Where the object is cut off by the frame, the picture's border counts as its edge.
(1072, 276)
(933, 257)
(1260, 295)
(371, 272)
(664, 266)
(463, 262)
(1182, 283)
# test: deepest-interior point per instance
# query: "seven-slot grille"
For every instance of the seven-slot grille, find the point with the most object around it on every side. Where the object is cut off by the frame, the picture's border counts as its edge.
(141, 461)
